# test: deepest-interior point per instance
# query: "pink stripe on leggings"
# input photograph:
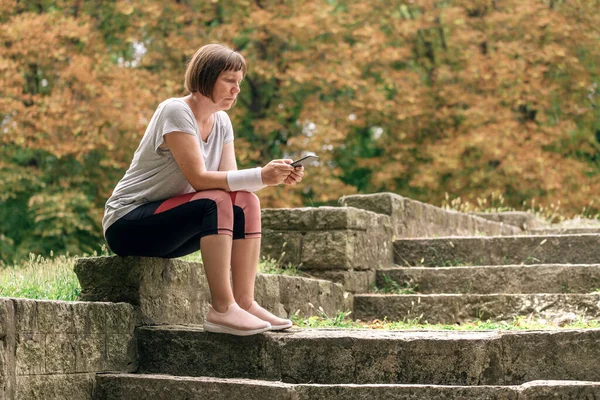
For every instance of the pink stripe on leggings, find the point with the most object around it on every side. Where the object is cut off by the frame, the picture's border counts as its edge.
(220, 197)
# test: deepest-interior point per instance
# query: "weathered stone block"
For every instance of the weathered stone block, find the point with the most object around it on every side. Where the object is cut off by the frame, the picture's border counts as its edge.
(58, 343)
(307, 296)
(327, 238)
(25, 315)
(90, 352)
(411, 218)
(525, 249)
(55, 387)
(55, 317)
(546, 389)
(163, 290)
(313, 218)
(89, 318)
(125, 386)
(120, 318)
(518, 279)
(328, 250)
(454, 308)
(352, 281)
(7, 349)
(521, 219)
(162, 302)
(374, 357)
(30, 353)
(267, 294)
(284, 247)
(61, 353)
(120, 352)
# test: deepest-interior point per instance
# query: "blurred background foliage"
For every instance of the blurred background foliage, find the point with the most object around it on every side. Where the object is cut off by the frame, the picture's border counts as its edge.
(423, 98)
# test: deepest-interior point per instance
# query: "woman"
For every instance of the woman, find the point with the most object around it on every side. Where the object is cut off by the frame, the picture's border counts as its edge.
(183, 192)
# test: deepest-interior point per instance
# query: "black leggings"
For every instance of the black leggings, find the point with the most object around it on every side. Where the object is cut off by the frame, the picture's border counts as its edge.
(173, 227)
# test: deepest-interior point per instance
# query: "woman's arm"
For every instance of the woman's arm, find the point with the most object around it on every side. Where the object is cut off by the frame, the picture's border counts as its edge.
(186, 150)
(228, 162)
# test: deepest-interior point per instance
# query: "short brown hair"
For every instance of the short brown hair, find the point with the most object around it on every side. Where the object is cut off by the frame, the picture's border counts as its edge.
(206, 65)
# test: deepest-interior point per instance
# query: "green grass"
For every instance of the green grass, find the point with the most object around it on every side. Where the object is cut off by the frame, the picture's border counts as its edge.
(341, 321)
(49, 278)
(390, 286)
(495, 203)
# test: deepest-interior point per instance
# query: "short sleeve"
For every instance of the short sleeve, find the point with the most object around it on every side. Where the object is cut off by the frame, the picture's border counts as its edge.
(175, 117)
(227, 129)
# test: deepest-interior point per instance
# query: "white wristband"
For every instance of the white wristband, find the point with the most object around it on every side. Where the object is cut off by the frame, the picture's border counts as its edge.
(249, 180)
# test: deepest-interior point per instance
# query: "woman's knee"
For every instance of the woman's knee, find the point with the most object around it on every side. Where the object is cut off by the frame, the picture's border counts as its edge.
(248, 218)
(248, 201)
(220, 197)
(219, 211)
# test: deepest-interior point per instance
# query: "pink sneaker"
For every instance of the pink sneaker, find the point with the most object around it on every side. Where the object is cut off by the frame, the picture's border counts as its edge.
(234, 321)
(277, 324)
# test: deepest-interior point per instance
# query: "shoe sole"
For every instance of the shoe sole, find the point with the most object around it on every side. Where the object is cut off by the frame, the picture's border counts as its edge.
(215, 328)
(280, 327)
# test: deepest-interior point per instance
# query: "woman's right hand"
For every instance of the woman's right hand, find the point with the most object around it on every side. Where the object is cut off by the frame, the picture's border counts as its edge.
(276, 172)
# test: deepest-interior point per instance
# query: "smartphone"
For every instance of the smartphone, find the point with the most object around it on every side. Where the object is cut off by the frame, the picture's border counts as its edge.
(304, 161)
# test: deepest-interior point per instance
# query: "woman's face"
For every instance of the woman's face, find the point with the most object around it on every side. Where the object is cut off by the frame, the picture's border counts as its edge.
(226, 88)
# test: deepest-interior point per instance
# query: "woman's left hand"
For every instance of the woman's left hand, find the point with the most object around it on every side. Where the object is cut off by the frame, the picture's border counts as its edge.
(295, 176)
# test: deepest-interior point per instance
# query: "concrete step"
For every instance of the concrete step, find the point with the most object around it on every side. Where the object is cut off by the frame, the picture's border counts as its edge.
(508, 250)
(132, 386)
(329, 356)
(564, 231)
(459, 308)
(537, 278)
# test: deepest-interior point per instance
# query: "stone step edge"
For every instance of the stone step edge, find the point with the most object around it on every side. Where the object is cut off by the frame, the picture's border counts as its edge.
(406, 357)
(375, 334)
(461, 308)
(279, 384)
(533, 388)
(491, 266)
(470, 295)
(503, 237)
(488, 279)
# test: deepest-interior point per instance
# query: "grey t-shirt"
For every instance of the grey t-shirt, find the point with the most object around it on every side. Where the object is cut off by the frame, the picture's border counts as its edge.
(153, 173)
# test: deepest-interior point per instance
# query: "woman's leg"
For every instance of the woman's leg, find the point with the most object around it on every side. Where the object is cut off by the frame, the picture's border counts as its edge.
(216, 250)
(180, 226)
(244, 262)
(245, 255)
(246, 246)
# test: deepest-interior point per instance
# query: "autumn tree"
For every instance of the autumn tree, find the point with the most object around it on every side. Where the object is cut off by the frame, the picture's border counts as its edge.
(421, 98)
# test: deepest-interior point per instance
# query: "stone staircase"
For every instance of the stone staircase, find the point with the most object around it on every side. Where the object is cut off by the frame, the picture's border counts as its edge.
(459, 279)
(185, 362)
(454, 279)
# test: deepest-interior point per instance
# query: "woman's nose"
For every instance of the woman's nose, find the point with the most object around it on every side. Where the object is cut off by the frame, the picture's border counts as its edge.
(235, 89)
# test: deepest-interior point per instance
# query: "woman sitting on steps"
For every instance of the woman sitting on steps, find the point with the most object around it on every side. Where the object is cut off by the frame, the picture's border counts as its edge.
(183, 192)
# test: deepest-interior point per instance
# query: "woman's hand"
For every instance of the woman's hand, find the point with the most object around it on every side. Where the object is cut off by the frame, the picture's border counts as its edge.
(295, 176)
(276, 172)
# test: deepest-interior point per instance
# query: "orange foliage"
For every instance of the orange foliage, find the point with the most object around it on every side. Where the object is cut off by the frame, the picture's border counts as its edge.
(421, 98)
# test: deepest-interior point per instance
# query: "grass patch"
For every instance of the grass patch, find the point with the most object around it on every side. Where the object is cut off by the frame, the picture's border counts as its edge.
(38, 277)
(495, 203)
(390, 286)
(341, 321)
(272, 266)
